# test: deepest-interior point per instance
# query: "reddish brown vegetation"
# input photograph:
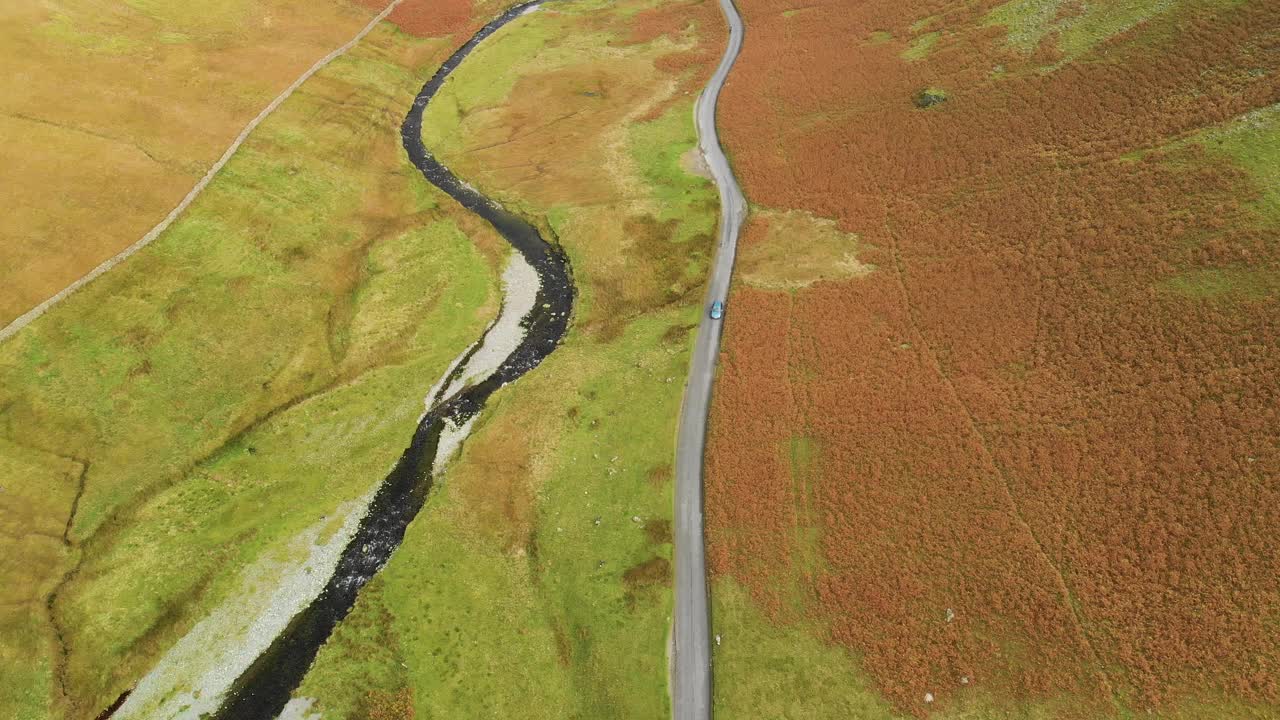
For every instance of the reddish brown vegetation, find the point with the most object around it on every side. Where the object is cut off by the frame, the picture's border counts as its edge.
(641, 580)
(428, 18)
(653, 571)
(383, 705)
(674, 20)
(1014, 421)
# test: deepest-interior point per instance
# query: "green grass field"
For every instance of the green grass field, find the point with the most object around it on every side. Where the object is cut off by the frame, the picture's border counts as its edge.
(1251, 143)
(536, 582)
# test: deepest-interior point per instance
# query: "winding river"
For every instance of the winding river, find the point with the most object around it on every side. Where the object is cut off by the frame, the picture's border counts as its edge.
(263, 690)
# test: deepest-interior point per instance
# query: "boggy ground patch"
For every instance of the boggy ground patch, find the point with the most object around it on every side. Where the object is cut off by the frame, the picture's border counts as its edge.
(649, 576)
(496, 489)
(793, 249)
(625, 295)
(388, 705)
(535, 145)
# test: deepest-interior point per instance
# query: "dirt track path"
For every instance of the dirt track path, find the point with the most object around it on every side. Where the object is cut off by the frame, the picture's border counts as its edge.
(25, 319)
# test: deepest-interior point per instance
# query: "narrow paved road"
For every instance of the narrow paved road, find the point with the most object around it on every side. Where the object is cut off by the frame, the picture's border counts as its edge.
(691, 655)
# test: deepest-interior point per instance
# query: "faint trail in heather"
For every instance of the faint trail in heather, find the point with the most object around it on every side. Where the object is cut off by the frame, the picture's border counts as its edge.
(1104, 680)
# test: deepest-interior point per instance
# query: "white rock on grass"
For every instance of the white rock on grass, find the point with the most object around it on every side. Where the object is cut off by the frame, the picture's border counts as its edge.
(191, 679)
(451, 438)
(520, 289)
(299, 709)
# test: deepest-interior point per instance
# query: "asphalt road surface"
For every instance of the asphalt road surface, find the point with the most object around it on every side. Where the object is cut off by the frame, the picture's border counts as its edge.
(691, 652)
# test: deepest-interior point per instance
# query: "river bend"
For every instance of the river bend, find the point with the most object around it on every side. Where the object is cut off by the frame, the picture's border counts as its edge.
(263, 690)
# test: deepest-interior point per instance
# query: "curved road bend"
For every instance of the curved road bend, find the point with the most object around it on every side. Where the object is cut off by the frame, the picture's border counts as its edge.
(691, 655)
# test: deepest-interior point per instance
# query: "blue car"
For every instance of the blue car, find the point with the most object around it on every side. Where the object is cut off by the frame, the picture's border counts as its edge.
(717, 310)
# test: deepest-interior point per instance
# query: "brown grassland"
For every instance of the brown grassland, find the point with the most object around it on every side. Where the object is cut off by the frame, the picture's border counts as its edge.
(1030, 459)
(113, 110)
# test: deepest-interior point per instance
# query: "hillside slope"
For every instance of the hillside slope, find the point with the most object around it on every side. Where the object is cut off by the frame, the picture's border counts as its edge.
(113, 111)
(188, 441)
(997, 425)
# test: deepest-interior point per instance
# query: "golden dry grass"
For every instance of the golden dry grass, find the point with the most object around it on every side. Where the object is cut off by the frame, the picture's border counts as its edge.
(113, 110)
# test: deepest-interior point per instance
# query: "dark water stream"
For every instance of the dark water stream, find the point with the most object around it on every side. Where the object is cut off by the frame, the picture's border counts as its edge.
(264, 689)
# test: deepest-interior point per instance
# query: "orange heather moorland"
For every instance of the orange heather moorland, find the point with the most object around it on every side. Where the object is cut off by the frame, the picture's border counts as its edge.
(432, 18)
(1030, 457)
